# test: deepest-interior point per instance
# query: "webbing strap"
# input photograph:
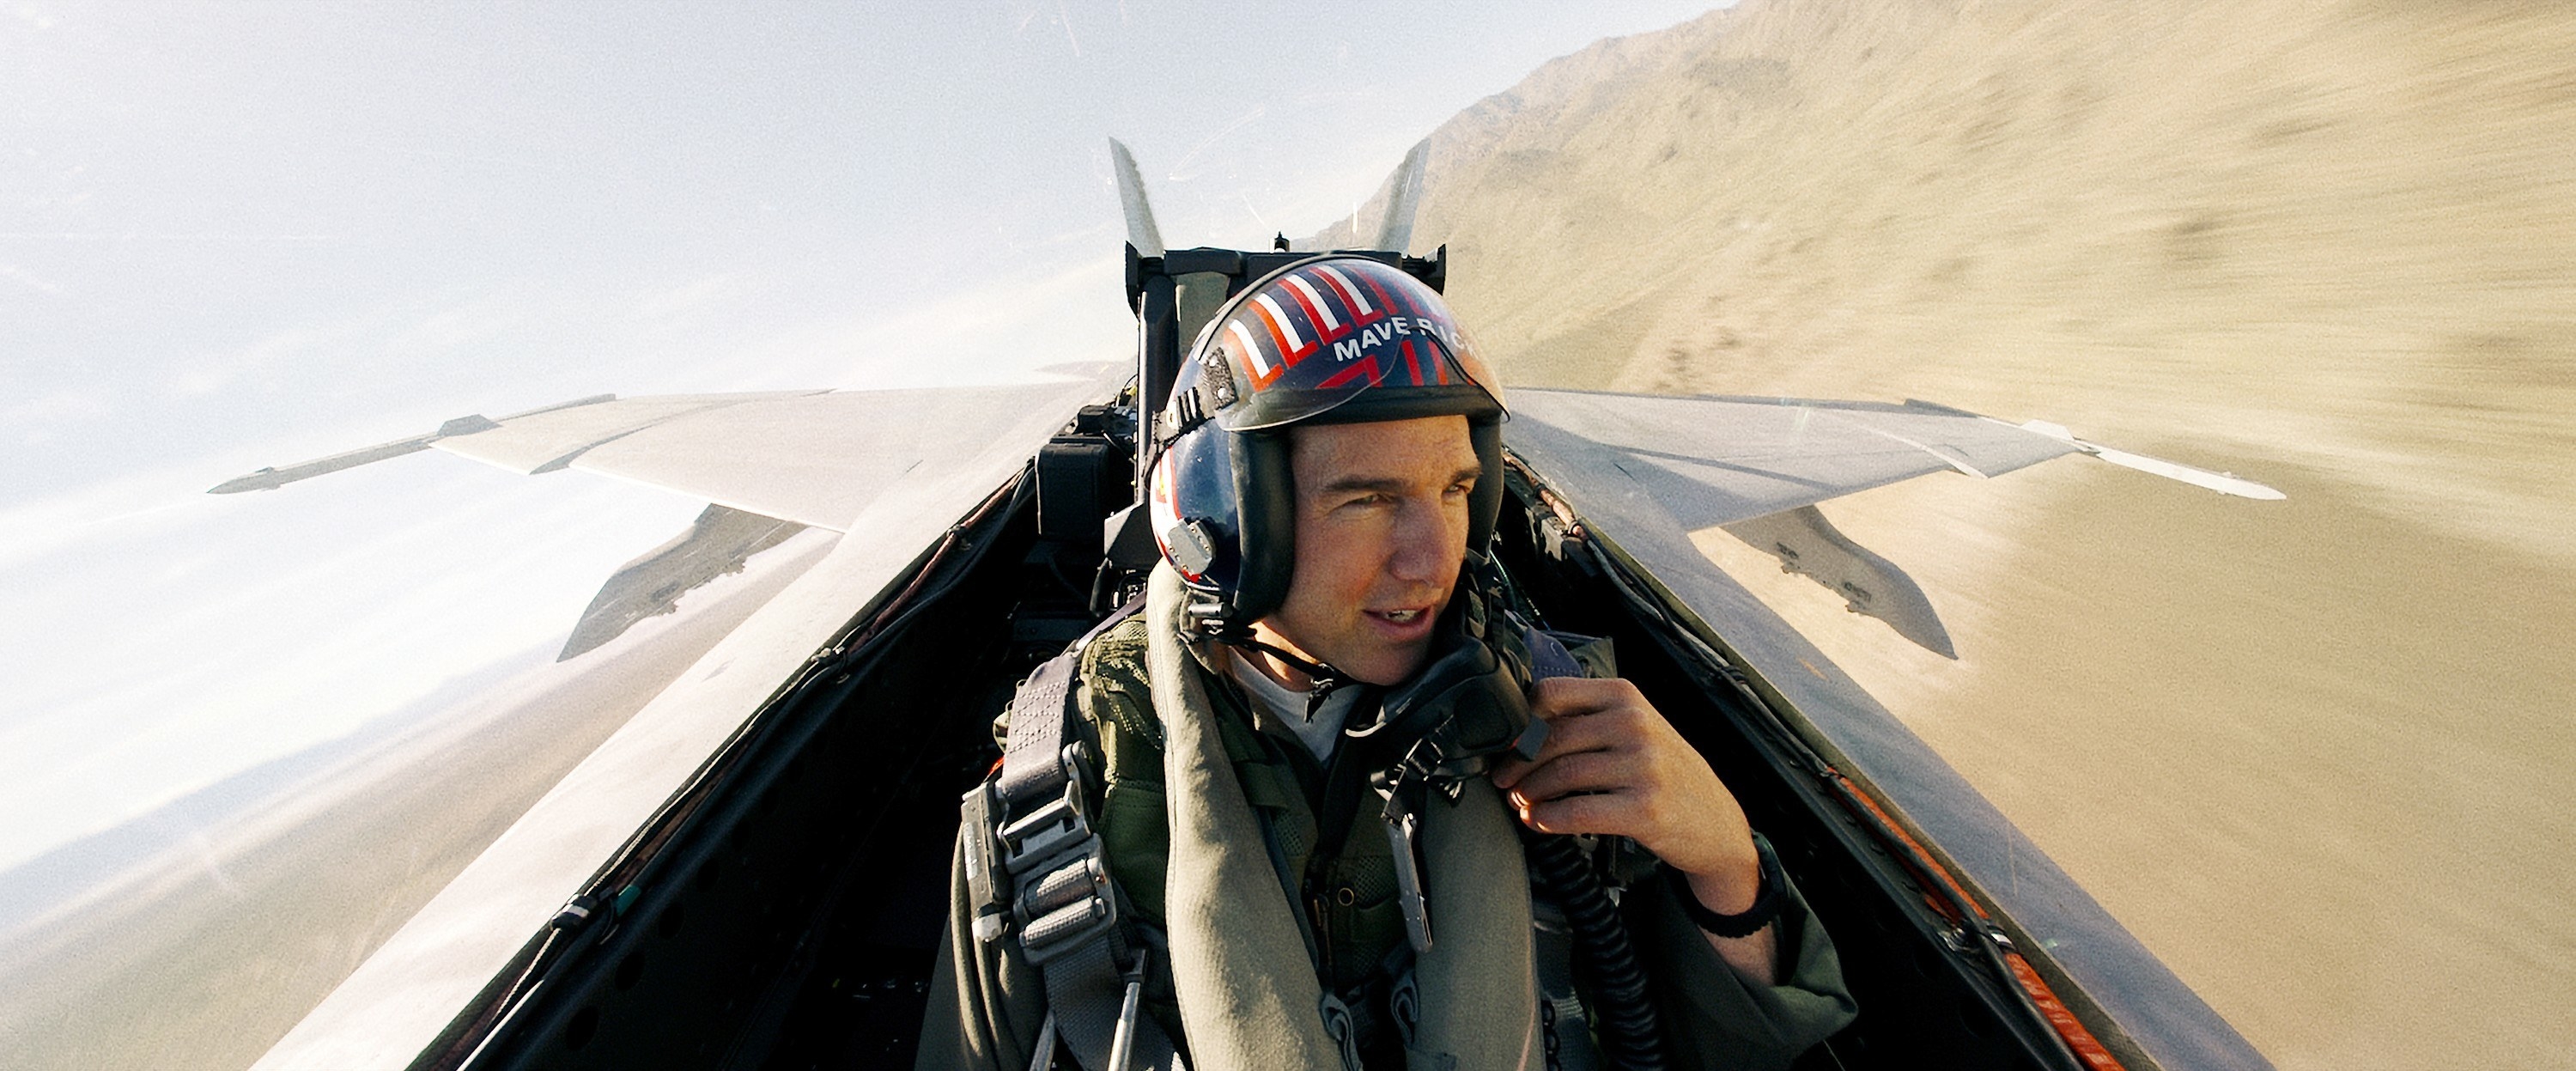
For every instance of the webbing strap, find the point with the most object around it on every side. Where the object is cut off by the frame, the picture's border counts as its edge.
(1033, 757)
(1054, 876)
(1087, 992)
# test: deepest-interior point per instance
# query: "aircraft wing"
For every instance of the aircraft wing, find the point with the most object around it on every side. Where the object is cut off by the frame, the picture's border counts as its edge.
(771, 464)
(892, 470)
(815, 458)
(1758, 466)
(1716, 461)
(1640, 473)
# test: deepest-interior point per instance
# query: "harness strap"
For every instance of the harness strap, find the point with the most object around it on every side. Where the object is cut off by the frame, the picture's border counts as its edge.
(1036, 867)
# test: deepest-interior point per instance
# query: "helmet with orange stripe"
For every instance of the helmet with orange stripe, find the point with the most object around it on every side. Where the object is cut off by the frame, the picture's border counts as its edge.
(1334, 339)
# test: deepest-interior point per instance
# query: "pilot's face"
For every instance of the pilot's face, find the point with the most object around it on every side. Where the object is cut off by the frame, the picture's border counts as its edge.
(1381, 531)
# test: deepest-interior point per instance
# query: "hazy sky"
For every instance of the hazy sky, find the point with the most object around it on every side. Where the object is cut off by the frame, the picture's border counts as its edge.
(249, 234)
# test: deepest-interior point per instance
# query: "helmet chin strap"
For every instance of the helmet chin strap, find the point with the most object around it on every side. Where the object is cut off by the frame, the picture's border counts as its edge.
(1323, 680)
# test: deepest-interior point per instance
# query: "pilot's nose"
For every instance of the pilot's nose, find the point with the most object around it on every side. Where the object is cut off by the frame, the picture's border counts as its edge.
(1427, 544)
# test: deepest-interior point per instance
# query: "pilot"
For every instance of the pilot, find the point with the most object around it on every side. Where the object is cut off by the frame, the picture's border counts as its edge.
(1208, 843)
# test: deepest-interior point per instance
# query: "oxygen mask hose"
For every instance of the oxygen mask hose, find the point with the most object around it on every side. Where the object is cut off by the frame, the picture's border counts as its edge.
(1625, 1015)
(1464, 711)
(1630, 1036)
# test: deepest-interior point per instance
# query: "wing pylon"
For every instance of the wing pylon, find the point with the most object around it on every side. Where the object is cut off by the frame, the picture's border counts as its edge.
(1809, 545)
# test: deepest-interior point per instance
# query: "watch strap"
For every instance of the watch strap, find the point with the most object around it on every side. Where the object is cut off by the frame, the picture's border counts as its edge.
(1769, 897)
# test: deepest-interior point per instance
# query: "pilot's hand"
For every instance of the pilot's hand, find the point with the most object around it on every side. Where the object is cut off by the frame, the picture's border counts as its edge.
(1613, 766)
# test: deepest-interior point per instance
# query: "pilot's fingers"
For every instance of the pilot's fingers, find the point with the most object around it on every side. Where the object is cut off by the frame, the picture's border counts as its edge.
(1552, 698)
(1599, 730)
(1605, 813)
(1590, 771)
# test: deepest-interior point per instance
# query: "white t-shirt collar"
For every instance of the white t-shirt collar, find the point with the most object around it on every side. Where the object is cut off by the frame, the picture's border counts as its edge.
(1322, 733)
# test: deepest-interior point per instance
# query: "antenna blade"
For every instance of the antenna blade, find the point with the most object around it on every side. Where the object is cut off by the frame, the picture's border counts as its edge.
(1141, 231)
(1403, 195)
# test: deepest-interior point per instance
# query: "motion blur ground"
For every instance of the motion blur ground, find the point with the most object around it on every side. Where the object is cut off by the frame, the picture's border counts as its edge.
(2315, 755)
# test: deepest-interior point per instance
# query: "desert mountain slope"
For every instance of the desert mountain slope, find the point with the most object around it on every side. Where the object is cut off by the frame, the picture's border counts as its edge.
(2339, 232)
(2315, 753)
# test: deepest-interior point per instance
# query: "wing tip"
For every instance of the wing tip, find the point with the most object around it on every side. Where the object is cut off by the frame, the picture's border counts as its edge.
(264, 479)
(2225, 483)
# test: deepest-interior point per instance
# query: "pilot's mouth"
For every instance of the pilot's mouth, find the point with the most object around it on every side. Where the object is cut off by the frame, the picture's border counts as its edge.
(1400, 617)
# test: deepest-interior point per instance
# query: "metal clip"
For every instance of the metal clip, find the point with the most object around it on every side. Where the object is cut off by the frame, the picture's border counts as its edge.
(1043, 833)
(1403, 835)
(983, 858)
(1122, 1042)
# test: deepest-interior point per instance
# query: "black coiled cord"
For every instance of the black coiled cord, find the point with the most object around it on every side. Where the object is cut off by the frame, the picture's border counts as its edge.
(1625, 1017)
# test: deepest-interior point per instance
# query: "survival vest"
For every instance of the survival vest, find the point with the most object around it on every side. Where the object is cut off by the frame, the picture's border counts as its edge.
(1075, 847)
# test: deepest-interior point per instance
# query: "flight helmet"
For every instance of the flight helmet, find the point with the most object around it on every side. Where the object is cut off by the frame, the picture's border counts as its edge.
(1333, 339)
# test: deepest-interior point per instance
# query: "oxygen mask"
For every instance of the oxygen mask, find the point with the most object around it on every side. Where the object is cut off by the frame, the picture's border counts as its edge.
(1448, 724)
(1467, 706)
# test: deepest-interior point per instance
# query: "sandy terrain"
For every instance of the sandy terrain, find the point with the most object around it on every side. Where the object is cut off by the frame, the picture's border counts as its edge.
(2315, 753)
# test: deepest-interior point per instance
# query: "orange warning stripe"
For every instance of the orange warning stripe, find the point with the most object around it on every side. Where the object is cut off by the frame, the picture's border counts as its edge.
(2072, 1030)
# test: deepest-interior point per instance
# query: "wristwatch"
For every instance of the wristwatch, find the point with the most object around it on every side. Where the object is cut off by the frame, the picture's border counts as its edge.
(1768, 898)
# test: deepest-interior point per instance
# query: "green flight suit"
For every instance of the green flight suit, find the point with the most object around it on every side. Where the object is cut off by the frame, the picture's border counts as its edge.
(986, 1004)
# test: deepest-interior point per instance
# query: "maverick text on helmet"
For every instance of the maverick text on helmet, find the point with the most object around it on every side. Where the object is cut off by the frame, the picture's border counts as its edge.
(1335, 339)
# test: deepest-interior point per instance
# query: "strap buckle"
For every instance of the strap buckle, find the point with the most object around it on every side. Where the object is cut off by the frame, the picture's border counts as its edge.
(1051, 827)
(1066, 904)
(1057, 864)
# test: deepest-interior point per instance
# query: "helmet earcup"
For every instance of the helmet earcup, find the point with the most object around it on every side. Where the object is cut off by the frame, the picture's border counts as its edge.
(1266, 495)
(1485, 504)
(1197, 517)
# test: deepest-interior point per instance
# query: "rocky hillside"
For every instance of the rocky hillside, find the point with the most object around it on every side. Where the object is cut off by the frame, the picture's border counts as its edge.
(2340, 232)
(2315, 753)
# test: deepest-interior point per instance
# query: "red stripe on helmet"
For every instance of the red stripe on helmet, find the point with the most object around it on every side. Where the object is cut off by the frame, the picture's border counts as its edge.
(1366, 366)
(1319, 311)
(1412, 364)
(1280, 333)
(1362, 313)
(1263, 372)
(1316, 318)
(1387, 300)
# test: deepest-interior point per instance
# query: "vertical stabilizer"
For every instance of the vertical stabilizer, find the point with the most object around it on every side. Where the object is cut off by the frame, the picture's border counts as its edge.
(1403, 195)
(1141, 231)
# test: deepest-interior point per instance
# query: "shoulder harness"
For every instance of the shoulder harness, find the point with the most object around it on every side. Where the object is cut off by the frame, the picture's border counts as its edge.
(1036, 873)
